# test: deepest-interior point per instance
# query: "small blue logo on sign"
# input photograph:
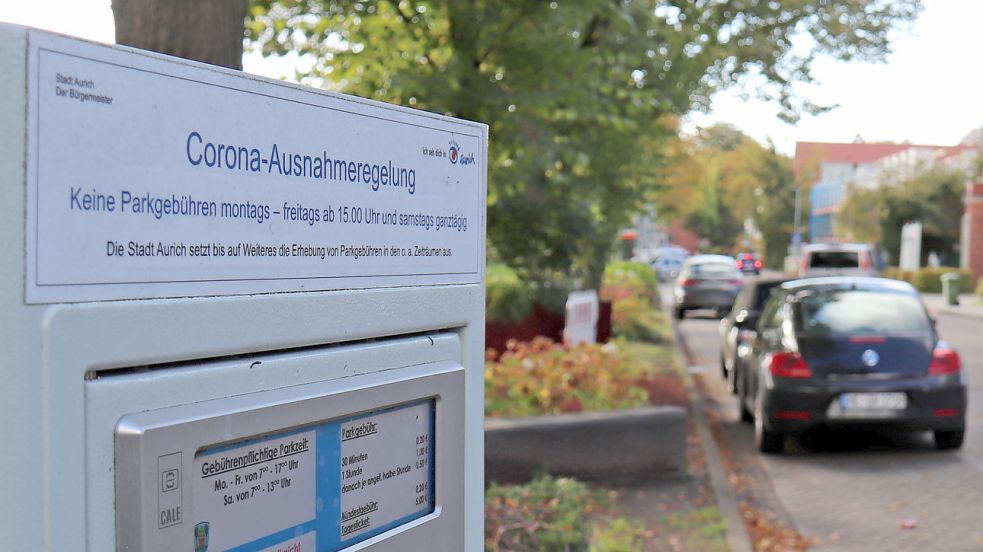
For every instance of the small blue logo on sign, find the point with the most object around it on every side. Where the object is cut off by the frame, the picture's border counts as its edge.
(201, 537)
(870, 358)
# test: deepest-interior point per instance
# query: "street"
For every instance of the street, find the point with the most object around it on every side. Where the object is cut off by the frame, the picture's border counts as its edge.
(863, 490)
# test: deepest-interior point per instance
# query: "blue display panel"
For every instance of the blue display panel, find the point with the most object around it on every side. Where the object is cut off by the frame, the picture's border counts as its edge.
(319, 488)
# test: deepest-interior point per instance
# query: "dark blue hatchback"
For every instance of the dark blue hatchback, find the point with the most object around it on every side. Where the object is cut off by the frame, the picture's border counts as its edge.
(850, 351)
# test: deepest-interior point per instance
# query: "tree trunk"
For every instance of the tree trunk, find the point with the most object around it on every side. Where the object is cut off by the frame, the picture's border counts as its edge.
(203, 30)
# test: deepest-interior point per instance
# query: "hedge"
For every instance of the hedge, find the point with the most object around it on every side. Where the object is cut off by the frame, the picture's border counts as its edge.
(507, 297)
(929, 280)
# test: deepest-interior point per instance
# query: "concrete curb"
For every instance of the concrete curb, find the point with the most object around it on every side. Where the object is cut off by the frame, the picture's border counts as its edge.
(594, 446)
(738, 538)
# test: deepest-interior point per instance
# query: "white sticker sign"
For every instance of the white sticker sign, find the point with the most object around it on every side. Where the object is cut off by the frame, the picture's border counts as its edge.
(385, 469)
(323, 488)
(269, 483)
(150, 178)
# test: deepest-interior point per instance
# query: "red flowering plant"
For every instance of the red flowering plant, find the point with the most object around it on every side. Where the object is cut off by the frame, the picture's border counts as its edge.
(543, 377)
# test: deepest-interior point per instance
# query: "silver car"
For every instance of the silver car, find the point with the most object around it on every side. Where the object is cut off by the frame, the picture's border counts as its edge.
(707, 282)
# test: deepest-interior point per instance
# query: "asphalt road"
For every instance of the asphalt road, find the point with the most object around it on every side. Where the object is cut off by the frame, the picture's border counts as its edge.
(854, 490)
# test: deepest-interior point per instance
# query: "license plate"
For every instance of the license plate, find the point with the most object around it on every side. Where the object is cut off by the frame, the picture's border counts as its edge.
(852, 402)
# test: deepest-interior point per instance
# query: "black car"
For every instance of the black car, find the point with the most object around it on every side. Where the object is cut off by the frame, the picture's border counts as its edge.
(850, 351)
(737, 327)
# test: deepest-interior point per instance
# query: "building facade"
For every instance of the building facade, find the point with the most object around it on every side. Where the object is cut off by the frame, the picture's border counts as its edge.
(831, 170)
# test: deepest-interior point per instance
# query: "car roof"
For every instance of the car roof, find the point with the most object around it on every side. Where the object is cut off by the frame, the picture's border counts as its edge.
(835, 247)
(765, 281)
(843, 282)
(706, 258)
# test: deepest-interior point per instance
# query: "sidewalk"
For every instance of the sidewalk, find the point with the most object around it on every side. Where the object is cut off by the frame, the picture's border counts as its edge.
(970, 305)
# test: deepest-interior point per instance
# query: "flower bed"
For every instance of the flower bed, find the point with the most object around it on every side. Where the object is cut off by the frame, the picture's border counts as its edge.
(543, 377)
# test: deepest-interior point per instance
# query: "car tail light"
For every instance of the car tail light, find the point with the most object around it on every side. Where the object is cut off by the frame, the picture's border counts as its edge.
(865, 263)
(740, 264)
(757, 264)
(789, 364)
(801, 415)
(944, 361)
(688, 282)
(946, 412)
(737, 281)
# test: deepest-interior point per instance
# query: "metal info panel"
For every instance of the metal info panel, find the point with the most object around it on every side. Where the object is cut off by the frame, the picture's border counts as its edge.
(326, 466)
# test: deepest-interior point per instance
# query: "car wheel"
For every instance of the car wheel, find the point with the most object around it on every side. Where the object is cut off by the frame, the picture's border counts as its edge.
(723, 367)
(746, 415)
(765, 440)
(680, 313)
(948, 440)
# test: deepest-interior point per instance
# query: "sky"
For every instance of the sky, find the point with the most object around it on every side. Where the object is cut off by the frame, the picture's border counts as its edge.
(927, 92)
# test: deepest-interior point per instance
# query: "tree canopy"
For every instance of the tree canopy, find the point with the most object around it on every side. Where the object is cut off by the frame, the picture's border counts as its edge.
(933, 197)
(581, 96)
(721, 178)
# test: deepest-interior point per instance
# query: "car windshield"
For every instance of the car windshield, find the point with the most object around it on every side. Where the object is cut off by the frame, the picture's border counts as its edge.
(711, 270)
(859, 312)
(834, 259)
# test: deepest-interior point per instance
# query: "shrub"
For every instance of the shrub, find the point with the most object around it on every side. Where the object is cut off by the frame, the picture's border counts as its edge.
(542, 377)
(549, 513)
(979, 287)
(555, 513)
(896, 273)
(635, 319)
(507, 297)
(929, 280)
(629, 279)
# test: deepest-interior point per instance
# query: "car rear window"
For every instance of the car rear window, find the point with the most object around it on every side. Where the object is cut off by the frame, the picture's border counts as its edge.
(712, 269)
(859, 312)
(834, 259)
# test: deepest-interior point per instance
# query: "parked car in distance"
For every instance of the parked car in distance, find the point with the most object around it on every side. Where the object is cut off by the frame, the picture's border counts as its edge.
(737, 328)
(848, 351)
(841, 259)
(668, 261)
(667, 268)
(706, 282)
(748, 263)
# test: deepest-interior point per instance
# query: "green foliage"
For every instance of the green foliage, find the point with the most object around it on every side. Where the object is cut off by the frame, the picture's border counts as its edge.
(624, 279)
(555, 514)
(549, 513)
(704, 526)
(580, 97)
(542, 377)
(635, 319)
(633, 289)
(979, 287)
(507, 297)
(618, 535)
(929, 279)
(932, 197)
(722, 177)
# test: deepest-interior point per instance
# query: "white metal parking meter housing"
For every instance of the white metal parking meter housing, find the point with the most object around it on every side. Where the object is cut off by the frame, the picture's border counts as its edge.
(238, 314)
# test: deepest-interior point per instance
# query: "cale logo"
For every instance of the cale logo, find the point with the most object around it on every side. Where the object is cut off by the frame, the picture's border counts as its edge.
(201, 537)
